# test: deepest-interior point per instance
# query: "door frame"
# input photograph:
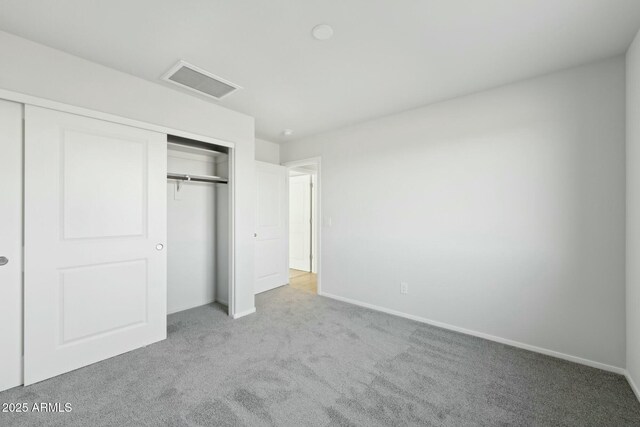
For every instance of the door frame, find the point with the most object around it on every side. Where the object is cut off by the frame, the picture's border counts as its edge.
(317, 162)
(25, 99)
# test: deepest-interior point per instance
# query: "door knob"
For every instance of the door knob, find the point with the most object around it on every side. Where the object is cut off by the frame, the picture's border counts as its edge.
(159, 246)
(3, 260)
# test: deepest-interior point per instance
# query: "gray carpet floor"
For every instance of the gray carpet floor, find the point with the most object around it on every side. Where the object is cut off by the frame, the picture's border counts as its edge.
(304, 360)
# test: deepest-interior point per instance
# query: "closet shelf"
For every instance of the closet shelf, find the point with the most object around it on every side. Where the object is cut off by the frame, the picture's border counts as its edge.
(197, 178)
(203, 148)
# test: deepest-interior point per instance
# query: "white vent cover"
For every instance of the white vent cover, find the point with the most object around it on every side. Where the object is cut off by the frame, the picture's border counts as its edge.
(198, 80)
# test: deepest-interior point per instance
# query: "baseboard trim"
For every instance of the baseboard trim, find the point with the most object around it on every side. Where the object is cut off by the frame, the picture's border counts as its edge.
(200, 304)
(244, 313)
(633, 385)
(483, 335)
(270, 289)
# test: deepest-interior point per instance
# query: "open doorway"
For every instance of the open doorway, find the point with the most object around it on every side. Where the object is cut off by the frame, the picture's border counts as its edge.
(303, 226)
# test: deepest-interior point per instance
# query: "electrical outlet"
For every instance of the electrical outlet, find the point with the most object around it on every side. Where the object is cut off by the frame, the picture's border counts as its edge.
(404, 288)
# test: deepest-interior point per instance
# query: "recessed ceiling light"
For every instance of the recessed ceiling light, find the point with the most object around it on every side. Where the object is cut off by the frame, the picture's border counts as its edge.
(322, 32)
(287, 132)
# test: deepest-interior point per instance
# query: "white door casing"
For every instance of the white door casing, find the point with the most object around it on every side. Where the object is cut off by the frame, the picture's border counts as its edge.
(314, 223)
(95, 230)
(300, 222)
(10, 244)
(271, 227)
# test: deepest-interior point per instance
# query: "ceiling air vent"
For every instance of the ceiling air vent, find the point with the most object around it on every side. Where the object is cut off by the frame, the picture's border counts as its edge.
(198, 80)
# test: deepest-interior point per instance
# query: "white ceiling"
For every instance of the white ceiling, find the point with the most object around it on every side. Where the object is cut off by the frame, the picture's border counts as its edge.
(386, 55)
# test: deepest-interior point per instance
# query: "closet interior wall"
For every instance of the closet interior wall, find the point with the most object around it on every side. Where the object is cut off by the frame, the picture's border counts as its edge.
(197, 229)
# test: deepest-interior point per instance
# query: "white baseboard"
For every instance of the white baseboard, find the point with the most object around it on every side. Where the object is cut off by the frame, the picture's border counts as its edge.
(500, 340)
(200, 304)
(270, 289)
(633, 385)
(244, 313)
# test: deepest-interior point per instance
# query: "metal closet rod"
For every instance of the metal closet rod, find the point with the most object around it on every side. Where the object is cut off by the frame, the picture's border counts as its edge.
(197, 178)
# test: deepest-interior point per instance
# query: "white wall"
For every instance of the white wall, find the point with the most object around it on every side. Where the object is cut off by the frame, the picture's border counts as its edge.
(267, 151)
(633, 213)
(504, 212)
(37, 70)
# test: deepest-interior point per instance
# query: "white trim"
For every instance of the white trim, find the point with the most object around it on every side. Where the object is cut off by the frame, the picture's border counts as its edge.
(315, 223)
(188, 307)
(270, 289)
(632, 384)
(319, 223)
(81, 111)
(231, 293)
(489, 337)
(184, 64)
(244, 313)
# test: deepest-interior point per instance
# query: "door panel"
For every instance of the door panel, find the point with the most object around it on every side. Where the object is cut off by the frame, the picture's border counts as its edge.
(300, 222)
(11, 244)
(89, 295)
(95, 209)
(118, 209)
(271, 232)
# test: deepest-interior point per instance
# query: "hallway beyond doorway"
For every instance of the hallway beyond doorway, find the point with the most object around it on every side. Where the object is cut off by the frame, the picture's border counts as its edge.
(303, 280)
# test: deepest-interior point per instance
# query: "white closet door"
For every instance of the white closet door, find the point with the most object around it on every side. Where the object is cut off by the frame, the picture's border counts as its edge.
(271, 227)
(10, 244)
(95, 229)
(300, 222)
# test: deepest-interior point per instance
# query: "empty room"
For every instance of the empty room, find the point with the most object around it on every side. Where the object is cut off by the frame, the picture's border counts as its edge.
(305, 213)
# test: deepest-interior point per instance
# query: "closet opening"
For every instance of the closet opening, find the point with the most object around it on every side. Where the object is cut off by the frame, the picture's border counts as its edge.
(198, 224)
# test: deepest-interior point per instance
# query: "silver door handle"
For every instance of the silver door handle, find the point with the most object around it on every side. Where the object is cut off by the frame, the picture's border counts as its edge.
(3, 260)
